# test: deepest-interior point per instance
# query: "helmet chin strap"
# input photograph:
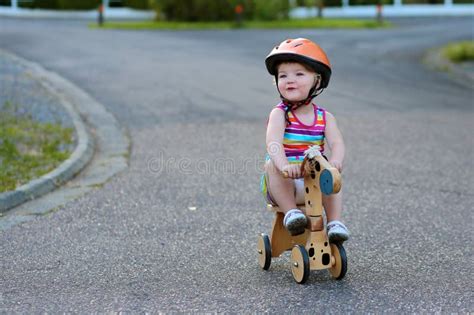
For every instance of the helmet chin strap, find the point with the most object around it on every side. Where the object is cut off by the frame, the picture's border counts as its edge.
(295, 104)
(291, 105)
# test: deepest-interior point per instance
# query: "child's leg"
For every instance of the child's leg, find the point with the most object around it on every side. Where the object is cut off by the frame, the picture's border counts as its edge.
(337, 231)
(333, 206)
(281, 189)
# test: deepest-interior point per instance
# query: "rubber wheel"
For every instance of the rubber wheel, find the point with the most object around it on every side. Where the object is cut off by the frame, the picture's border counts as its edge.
(299, 264)
(264, 251)
(338, 271)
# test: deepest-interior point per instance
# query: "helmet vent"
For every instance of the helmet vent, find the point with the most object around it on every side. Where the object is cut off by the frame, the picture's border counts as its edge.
(277, 47)
(299, 44)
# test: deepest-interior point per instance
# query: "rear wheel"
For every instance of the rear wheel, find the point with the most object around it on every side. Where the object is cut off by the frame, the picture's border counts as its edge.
(264, 251)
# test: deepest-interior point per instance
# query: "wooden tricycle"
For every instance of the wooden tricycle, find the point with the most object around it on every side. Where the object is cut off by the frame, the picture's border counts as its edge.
(311, 250)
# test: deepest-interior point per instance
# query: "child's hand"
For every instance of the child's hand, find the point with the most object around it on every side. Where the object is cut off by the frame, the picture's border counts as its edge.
(337, 164)
(293, 170)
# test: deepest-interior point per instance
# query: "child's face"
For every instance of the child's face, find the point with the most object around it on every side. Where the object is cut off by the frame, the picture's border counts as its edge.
(295, 81)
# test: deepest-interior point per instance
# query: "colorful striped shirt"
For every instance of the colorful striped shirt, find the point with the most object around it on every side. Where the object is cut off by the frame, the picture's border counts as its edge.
(299, 137)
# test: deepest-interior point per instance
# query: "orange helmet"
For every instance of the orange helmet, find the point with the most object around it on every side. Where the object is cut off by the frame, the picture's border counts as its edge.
(304, 51)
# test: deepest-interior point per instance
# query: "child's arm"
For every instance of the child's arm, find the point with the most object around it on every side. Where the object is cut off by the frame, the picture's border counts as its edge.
(275, 131)
(335, 142)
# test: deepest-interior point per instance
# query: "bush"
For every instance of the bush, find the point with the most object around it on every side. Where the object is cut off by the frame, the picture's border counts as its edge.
(137, 4)
(39, 4)
(459, 52)
(61, 4)
(219, 10)
(78, 4)
(194, 10)
(318, 3)
(373, 2)
(81, 4)
(271, 9)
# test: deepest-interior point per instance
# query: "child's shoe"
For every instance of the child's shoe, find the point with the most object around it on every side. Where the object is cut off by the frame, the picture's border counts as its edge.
(295, 222)
(337, 232)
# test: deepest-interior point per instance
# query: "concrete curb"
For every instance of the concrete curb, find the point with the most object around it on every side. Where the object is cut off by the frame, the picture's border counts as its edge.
(81, 155)
(434, 59)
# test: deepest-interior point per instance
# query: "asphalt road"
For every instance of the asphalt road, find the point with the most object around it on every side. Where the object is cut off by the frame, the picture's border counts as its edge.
(195, 105)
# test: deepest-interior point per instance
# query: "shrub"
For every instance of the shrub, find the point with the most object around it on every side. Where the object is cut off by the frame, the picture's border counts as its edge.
(81, 4)
(137, 4)
(61, 4)
(318, 3)
(39, 4)
(372, 2)
(459, 52)
(219, 10)
(78, 4)
(271, 9)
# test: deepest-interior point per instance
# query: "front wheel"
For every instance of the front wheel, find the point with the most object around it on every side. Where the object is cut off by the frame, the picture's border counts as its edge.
(299, 264)
(339, 268)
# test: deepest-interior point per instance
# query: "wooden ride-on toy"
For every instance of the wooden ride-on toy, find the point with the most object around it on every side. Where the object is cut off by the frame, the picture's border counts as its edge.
(310, 250)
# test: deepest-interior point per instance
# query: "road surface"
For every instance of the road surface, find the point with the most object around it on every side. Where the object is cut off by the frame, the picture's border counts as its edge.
(177, 230)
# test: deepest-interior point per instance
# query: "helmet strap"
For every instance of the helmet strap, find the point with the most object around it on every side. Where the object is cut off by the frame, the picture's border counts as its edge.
(293, 105)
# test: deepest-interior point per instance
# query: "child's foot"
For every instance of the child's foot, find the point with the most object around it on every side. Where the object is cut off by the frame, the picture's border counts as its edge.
(337, 232)
(295, 222)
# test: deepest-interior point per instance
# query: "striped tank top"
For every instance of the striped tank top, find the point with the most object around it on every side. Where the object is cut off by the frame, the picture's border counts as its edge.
(299, 137)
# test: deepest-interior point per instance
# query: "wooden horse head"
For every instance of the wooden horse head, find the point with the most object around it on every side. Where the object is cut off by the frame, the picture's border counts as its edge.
(320, 177)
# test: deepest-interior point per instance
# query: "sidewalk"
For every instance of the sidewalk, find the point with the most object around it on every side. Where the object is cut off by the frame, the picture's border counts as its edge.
(101, 149)
(25, 88)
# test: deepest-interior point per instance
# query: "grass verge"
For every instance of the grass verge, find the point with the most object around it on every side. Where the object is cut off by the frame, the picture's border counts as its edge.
(286, 24)
(459, 52)
(29, 149)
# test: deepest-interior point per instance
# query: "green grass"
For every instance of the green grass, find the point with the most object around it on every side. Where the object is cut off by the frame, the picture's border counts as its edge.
(459, 52)
(29, 149)
(285, 24)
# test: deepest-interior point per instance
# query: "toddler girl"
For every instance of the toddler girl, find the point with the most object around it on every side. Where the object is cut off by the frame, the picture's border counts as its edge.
(301, 70)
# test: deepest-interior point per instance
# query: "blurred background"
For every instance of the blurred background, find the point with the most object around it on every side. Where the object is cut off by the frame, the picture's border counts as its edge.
(174, 231)
(211, 10)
